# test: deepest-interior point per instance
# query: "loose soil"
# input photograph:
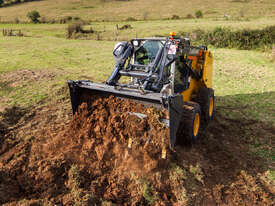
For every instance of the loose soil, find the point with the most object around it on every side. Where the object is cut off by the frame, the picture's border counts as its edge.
(105, 155)
(24, 76)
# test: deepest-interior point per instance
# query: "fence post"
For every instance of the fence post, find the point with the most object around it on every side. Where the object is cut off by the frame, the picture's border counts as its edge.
(97, 36)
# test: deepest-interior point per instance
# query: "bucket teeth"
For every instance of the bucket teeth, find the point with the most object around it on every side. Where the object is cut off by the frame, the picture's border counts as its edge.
(163, 153)
(130, 142)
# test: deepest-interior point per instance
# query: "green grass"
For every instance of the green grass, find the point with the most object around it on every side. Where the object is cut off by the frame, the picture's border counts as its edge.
(65, 59)
(141, 28)
(242, 79)
(272, 175)
(138, 9)
(243, 82)
(147, 194)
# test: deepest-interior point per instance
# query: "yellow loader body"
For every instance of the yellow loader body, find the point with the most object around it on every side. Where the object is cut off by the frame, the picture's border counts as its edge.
(207, 72)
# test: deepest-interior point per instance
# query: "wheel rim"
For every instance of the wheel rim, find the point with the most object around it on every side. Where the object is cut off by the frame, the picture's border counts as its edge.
(211, 106)
(196, 124)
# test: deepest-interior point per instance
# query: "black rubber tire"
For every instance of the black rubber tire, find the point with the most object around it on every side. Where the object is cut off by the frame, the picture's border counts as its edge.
(203, 99)
(186, 130)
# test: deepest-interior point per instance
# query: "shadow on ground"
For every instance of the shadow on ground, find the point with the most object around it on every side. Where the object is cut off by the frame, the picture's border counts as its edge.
(235, 151)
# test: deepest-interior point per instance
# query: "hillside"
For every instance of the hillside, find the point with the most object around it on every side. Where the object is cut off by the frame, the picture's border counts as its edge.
(139, 9)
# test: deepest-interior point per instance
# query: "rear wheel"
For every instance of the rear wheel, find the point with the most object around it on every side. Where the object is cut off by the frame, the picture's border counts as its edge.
(206, 100)
(190, 123)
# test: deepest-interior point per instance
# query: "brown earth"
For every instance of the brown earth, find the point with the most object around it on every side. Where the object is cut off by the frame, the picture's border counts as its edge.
(24, 76)
(3, 101)
(104, 155)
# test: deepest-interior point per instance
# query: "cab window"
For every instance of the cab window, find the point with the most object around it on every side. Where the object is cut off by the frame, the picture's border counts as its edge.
(147, 52)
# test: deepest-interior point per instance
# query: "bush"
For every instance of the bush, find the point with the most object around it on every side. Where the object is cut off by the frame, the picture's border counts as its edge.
(73, 28)
(65, 19)
(130, 19)
(4, 3)
(175, 17)
(126, 26)
(77, 28)
(242, 39)
(199, 14)
(69, 18)
(189, 16)
(34, 16)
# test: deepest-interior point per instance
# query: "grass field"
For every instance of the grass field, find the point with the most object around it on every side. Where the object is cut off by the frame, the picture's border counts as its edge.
(236, 72)
(140, 9)
(107, 30)
(34, 68)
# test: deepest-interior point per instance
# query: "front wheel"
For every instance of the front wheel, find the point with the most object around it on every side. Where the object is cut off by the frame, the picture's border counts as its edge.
(191, 122)
(206, 100)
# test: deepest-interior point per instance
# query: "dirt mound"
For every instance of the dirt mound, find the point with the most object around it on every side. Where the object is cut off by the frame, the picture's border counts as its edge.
(24, 76)
(97, 140)
(107, 155)
(106, 140)
(107, 124)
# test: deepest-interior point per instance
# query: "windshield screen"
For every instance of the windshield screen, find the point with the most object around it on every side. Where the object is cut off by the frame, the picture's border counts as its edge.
(147, 52)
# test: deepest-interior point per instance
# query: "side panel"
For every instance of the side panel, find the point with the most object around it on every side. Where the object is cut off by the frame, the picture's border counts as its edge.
(175, 105)
(205, 81)
(208, 69)
(193, 89)
(75, 95)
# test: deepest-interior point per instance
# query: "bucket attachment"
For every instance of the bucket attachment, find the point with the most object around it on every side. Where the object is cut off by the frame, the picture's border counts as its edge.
(174, 104)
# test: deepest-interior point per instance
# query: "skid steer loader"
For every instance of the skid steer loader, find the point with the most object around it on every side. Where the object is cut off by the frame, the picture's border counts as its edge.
(167, 73)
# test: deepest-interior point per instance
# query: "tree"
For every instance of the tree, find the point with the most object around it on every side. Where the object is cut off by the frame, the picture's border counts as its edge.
(1, 2)
(199, 14)
(33, 16)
